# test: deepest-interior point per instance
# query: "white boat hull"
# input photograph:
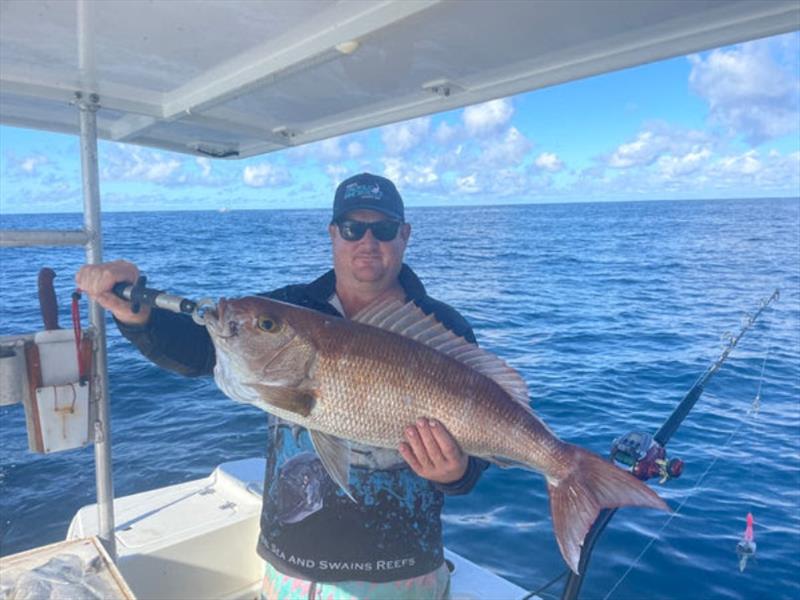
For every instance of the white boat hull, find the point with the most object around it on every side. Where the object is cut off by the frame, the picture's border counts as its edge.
(197, 540)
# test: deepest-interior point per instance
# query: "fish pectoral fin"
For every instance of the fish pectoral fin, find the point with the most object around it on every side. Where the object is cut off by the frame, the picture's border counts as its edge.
(334, 453)
(299, 401)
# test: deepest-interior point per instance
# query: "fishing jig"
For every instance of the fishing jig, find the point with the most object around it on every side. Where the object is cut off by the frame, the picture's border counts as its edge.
(747, 545)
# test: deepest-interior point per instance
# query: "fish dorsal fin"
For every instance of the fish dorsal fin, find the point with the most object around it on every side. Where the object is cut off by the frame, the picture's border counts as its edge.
(410, 321)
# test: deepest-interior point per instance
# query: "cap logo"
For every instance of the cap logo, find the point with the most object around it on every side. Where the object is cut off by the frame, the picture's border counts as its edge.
(357, 190)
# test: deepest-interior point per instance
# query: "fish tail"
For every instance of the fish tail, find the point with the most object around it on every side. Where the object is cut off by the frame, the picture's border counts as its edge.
(591, 485)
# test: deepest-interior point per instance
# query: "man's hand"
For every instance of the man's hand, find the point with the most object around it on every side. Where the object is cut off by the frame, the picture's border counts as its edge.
(98, 281)
(432, 452)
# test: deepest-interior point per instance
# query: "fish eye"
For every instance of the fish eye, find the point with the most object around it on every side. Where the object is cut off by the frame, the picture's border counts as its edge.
(268, 324)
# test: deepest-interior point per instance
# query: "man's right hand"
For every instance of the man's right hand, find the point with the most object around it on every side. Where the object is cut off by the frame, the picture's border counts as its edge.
(99, 280)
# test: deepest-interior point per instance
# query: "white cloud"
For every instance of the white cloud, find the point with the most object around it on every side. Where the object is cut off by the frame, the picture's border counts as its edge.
(445, 133)
(132, 163)
(156, 171)
(674, 166)
(693, 172)
(486, 118)
(509, 183)
(401, 137)
(329, 149)
(336, 173)
(641, 151)
(31, 164)
(752, 89)
(547, 161)
(407, 175)
(393, 169)
(325, 151)
(355, 149)
(743, 164)
(264, 175)
(468, 184)
(508, 150)
(657, 140)
(204, 164)
(752, 171)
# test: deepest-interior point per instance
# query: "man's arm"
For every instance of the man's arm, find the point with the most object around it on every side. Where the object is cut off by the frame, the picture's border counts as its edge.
(475, 468)
(171, 341)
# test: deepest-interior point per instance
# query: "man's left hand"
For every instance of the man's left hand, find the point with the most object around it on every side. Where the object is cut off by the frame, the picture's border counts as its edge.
(432, 452)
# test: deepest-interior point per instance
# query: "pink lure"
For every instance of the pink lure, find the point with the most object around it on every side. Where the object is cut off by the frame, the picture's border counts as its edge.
(747, 545)
(748, 532)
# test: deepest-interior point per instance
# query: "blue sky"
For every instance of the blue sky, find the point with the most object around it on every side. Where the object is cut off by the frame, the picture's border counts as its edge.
(719, 124)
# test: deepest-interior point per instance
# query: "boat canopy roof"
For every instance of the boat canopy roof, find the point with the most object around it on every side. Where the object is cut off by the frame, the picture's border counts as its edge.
(235, 78)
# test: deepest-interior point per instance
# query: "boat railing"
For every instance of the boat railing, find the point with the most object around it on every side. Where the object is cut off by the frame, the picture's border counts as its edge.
(25, 238)
(90, 237)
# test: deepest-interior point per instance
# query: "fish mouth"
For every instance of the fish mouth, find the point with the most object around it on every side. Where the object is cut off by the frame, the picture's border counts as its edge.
(216, 323)
(213, 316)
(219, 313)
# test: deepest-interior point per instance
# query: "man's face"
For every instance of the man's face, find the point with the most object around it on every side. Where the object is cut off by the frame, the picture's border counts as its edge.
(368, 261)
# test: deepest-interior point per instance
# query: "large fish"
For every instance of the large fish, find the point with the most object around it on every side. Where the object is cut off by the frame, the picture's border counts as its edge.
(364, 380)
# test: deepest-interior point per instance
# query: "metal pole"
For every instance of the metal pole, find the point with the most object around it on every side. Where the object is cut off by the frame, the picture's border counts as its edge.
(94, 255)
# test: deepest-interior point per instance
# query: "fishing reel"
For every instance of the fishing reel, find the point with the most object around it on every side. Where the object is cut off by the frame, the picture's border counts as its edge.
(645, 457)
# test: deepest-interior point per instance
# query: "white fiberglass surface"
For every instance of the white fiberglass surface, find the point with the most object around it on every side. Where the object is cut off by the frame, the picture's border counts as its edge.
(151, 46)
(246, 77)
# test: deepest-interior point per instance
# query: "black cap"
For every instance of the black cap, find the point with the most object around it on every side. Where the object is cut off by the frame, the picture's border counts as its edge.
(368, 192)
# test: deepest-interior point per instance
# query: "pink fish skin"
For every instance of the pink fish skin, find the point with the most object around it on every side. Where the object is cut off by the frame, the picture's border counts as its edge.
(355, 381)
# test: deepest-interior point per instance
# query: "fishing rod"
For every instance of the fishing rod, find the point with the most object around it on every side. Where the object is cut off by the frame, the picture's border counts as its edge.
(646, 455)
(139, 294)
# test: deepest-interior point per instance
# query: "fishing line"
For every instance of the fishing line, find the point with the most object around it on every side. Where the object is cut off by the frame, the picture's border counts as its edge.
(554, 580)
(672, 516)
(753, 410)
(756, 405)
(661, 438)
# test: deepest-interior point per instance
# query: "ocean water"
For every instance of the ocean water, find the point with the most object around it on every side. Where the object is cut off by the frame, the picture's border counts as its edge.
(610, 312)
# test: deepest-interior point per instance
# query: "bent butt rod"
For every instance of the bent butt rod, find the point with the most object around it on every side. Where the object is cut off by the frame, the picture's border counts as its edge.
(574, 582)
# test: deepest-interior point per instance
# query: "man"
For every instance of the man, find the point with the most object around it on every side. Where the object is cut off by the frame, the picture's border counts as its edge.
(315, 540)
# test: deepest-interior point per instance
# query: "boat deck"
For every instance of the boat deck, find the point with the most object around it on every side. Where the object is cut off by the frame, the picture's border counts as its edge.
(197, 539)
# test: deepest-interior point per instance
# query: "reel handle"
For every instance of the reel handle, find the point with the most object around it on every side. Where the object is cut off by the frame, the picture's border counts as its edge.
(645, 457)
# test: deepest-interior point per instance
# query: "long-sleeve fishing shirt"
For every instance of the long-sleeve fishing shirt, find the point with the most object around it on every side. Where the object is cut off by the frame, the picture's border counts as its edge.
(309, 528)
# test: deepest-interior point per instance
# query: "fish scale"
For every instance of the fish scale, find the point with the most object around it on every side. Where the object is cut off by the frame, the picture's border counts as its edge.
(399, 393)
(354, 382)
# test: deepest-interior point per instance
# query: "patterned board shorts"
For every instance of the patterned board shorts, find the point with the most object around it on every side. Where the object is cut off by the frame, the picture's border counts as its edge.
(433, 586)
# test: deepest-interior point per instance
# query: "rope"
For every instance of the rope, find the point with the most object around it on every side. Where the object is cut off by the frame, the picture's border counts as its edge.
(83, 370)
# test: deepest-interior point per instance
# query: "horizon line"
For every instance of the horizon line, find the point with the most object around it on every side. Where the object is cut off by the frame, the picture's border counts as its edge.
(224, 209)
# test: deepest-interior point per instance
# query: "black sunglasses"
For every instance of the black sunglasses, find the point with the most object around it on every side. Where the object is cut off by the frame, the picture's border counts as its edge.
(383, 231)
